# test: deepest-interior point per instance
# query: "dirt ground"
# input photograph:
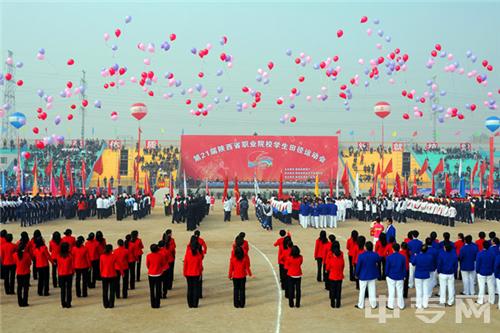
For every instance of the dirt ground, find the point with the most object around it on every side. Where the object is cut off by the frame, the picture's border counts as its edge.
(265, 311)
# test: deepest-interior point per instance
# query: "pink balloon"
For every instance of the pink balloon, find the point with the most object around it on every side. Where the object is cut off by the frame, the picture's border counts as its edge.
(50, 99)
(369, 32)
(291, 96)
(121, 82)
(490, 94)
(450, 56)
(308, 59)
(229, 65)
(260, 71)
(171, 82)
(155, 79)
(190, 90)
(9, 61)
(308, 98)
(203, 93)
(378, 46)
(209, 46)
(133, 79)
(391, 81)
(302, 55)
(147, 62)
(244, 105)
(106, 36)
(40, 56)
(141, 46)
(361, 61)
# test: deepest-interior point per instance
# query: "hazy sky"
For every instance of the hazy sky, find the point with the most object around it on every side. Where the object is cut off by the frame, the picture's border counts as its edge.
(258, 32)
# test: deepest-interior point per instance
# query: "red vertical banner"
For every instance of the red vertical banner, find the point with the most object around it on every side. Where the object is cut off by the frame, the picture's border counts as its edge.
(84, 178)
(280, 186)
(415, 187)
(62, 186)
(226, 184)
(237, 195)
(492, 166)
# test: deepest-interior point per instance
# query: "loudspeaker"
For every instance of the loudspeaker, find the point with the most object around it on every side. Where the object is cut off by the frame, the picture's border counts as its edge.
(406, 164)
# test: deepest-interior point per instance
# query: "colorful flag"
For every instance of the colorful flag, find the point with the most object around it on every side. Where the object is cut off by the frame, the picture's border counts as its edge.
(84, 178)
(439, 168)
(472, 176)
(98, 189)
(447, 185)
(53, 187)
(388, 169)
(397, 188)
(345, 181)
(171, 187)
(69, 175)
(424, 167)
(62, 186)
(98, 166)
(48, 169)
(35, 189)
(415, 187)
(316, 186)
(185, 183)
(280, 186)
(110, 191)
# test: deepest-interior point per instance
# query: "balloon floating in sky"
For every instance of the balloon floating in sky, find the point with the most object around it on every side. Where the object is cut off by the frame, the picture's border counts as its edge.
(382, 109)
(492, 123)
(17, 119)
(128, 19)
(139, 110)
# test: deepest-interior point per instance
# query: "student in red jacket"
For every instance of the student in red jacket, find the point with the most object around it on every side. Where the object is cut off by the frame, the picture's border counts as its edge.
(406, 253)
(92, 248)
(101, 246)
(22, 258)
(165, 254)
(204, 252)
(31, 246)
(3, 233)
(54, 247)
(335, 266)
(69, 238)
(293, 265)
(65, 270)
(42, 258)
(459, 243)
(155, 264)
(319, 249)
(351, 248)
(81, 260)
(170, 244)
(8, 264)
(140, 246)
(193, 267)
(121, 265)
(132, 259)
(383, 249)
(108, 276)
(287, 249)
(279, 243)
(239, 269)
(480, 240)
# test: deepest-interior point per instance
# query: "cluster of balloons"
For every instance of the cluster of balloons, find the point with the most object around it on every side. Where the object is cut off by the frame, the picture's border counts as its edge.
(287, 118)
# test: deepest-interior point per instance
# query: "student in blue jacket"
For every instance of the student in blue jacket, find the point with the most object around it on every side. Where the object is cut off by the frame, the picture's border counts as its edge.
(390, 231)
(434, 252)
(332, 218)
(497, 276)
(485, 261)
(414, 247)
(304, 213)
(424, 264)
(467, 258)
(447, 265)
(315, 207)
(395, 272)
(367, 273)
(324, 210)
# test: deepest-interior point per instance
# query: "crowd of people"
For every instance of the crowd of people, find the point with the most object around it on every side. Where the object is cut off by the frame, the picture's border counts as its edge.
(190, 209)
(31, 210)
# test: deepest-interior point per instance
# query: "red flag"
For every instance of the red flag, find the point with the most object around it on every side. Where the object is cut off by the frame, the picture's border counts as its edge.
(34, 190)
(280, 186)
(447, 185)
(388, 169)
(146, 185)
(375, 178)
(237, 195)
(406, 190)
(415, 188)
(84, 178)
(48, 169)
(171, 187)
(424, 167)
(69, 175)
(98, 190)
(398, 186)
(472, 176)
(110, 190)
(62, 186)
(98, 166)
(338, 132)
(433, 190)
(439, 168)
(345, 181)
(226, 185)
(53, 187)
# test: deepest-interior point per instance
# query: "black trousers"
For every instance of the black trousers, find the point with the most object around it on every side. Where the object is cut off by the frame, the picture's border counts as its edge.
(193, 291)
(227, 216)
(124, 279)
(54, 274)
(43, 281)
(108, 292)
(381, 269)
(155, 291)
(351, 269)
(35, 270)
(82, 281)
(131, 270)
(170, 275)
(164, 284)
(294, 291)
(138, 266)
(9, 281)
(335, 293)
(96, 274)
(23, 286)
(65, 282)
(282, 276)
(405, 285)
(319, 263)
(239, 292)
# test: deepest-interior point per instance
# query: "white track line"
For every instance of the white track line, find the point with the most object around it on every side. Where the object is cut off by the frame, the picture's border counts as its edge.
(278, 288)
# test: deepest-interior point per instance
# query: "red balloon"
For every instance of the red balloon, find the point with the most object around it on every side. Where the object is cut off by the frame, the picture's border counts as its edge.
(397, 50)
(111, 84)
(20, 82)
(85, 103)
(40, 145)
(144, 75)
(70, 62)
(479, 79)
(279, 101)
(198, 113)
(69, 84)
(460, 116)
(422, 99)
(170, 76)
(270, 65)
(27, 155)
(438, 47)
(343, 95)
(392, 55)
(122, 71)
(364, 19)
(73, 106)
(473, 107)
(254, 105)
(410, 96)
(336, 58)
(43, 115)
(118, 32)
(301, 79)
(36, 130)
(223, 56)
(200, 75)
(405, 57)
(244, 89)
(151, 93)
(294, 91)
(150, 74)
(111, 71)
(434, 53)
(406, 116)
(297, 61)
(343, 87)
(293, 119)
(485, 63)
(340, 33)
(200, 105)
(489, 67)
(188, 101)
(39, 110)
(70, 116)
(106, 86)
(204, 113)
(173, 37)
(380, 60)
(322, 64)
(404, 93)
(8, 76)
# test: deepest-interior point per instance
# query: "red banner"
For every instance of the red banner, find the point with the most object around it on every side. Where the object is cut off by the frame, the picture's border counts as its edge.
(300, 158)
(431, 145)
(151, 144)
(398, 146)
(466, 146)
(363, 145)
(115, 144)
